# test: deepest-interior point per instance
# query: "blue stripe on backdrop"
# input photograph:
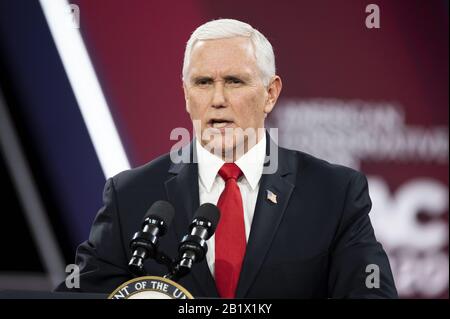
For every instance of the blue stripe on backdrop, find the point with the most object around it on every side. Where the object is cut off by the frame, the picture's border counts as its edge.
(51, 115)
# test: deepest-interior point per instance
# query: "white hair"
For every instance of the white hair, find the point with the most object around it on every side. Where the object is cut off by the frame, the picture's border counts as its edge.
(230, 28)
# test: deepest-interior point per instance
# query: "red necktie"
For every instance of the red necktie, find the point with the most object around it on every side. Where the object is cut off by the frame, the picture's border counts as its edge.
(230, 238)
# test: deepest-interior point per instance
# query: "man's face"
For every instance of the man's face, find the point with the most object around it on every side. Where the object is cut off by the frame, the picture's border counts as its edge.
(224, 90)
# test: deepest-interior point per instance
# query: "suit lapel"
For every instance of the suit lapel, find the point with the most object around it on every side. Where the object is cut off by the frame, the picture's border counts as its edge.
(267, 217)
(182, 192)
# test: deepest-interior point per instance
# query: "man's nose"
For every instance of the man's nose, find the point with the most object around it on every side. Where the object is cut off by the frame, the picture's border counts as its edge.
(219, 99)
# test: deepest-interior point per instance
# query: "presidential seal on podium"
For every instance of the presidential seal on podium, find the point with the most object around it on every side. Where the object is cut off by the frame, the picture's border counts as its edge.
(150, 287)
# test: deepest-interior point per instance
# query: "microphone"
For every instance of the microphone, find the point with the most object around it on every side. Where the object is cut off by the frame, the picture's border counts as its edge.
(144, 243)
(193, 247)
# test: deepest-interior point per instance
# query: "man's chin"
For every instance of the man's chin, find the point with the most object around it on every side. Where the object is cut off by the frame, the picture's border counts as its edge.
(221, 147)
(218, 145)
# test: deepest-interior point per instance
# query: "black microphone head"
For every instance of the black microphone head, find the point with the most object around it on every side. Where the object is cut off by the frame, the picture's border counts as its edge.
(208, 212)
(161, 210)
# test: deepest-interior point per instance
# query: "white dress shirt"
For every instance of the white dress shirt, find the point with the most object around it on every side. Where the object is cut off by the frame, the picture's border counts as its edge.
(211, 184)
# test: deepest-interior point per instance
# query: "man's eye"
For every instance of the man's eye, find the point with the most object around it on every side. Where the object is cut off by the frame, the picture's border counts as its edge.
(203, 82)
(234, 81)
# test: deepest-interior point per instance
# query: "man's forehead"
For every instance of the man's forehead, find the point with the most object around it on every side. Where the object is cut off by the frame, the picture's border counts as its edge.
(240, 47)
(227, 56)
(231, 72)
(243, 42)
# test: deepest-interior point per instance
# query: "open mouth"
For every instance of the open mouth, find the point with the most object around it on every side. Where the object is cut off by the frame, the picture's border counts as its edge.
(220, 123)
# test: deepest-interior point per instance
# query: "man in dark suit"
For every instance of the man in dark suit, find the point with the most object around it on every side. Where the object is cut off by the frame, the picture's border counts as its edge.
(300, 230)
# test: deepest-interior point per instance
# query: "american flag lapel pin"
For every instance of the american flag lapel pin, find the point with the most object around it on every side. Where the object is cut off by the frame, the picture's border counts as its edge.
(271, 196)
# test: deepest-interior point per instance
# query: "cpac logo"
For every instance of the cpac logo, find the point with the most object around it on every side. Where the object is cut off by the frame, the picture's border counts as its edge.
(415, 248)
(395, 218)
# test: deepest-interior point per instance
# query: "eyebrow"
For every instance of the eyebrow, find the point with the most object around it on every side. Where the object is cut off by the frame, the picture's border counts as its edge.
(242, 77)
(235, 77)
(201, 78)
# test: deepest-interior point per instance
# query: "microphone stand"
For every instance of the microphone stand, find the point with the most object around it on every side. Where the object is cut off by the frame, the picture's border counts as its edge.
(162, 259)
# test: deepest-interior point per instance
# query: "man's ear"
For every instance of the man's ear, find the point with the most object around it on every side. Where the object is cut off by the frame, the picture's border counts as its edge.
(273, 92)
(186, 99)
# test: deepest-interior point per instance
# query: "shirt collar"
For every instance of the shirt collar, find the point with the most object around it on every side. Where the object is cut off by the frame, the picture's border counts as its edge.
(251, 164)
(208, 165)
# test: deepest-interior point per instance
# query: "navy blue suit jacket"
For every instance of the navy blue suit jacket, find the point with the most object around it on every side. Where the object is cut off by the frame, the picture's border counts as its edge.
(315, 242)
